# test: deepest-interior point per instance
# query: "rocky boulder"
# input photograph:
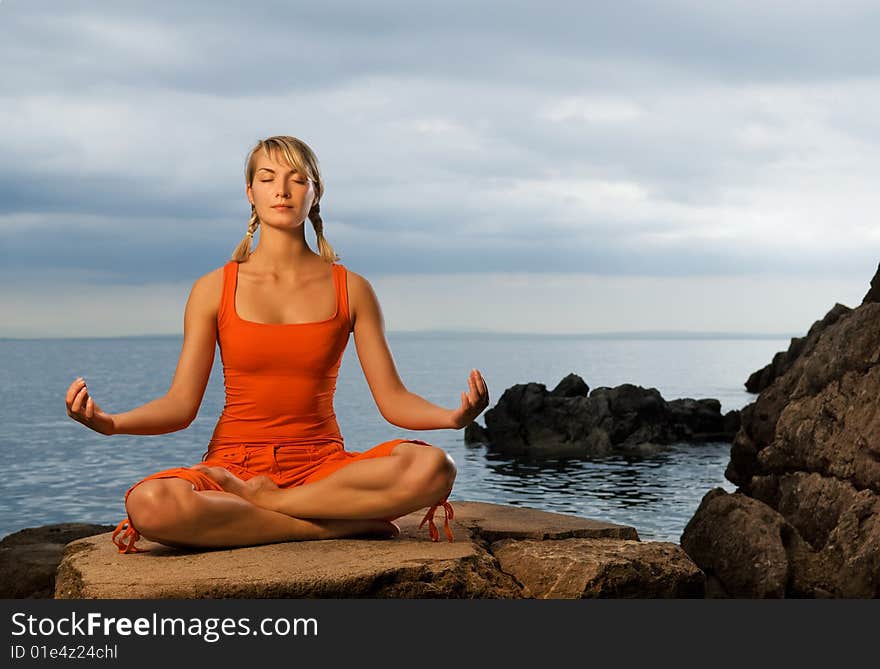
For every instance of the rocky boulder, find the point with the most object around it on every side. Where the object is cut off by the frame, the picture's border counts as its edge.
(30, 557)
(805, 520)
(783, 360)
(570, 420)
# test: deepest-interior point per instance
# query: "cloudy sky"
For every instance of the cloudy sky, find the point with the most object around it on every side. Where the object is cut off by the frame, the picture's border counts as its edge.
(508, 166)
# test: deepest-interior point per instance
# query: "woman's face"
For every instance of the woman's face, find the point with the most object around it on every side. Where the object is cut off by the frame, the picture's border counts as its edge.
(276, 183)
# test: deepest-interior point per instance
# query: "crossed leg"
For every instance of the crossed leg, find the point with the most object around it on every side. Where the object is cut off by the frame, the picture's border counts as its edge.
(362, 495)
(170, 512)
(411, 477)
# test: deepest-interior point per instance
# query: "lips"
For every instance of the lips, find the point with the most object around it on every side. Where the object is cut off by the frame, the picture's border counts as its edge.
(280, 206)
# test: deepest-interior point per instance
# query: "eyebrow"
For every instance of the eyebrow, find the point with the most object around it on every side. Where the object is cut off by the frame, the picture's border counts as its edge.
(273, 171)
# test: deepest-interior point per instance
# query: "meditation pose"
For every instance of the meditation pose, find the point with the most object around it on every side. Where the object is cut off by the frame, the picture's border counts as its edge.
(276, 468)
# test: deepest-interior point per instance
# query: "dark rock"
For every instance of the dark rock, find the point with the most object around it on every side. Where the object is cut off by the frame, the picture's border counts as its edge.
(748, 549)
(805, 520)
(782, 360)
(873, 294)
(474, 433)
(571, 420)
(30, 557)
(571, 386)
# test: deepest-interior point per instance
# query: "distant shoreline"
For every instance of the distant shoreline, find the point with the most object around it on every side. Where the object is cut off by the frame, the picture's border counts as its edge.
(659, 334)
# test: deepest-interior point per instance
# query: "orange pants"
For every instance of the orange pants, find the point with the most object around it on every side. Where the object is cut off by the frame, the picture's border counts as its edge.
(286, 464)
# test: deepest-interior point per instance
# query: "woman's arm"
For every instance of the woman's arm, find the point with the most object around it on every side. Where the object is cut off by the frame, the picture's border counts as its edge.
(398, 405)
(159, 416)
(180, 405)
(412, 412)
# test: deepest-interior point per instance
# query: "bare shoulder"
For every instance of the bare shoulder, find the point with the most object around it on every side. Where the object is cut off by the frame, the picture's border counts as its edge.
(207, 291)
(360, 295)
(199, 342)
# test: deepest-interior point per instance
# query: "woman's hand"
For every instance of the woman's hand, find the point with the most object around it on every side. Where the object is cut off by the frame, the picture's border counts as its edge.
(82, 408)
(472, 402)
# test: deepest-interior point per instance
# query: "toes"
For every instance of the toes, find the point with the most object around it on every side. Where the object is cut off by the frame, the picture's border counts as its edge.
(262, 481)
(209, 471)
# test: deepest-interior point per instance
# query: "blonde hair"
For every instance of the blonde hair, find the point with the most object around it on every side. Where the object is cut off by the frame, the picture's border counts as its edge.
(301, 158)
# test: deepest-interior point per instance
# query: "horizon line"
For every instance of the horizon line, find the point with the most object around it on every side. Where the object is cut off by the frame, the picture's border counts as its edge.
(630, 334)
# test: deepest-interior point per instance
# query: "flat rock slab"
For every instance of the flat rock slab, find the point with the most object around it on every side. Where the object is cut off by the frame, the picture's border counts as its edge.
(410, 566)
(493, 522)
(606, 568)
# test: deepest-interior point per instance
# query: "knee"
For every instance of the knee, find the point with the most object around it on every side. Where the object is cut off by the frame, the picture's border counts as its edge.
(153, 506)
(432, 470)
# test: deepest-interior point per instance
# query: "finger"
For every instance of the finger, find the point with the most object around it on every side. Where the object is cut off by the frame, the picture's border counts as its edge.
(74, 406)
(73, 389)
(90, 408)
(478, 381)
(82, 387)
(482, 383)
(78, 400)
(479, 396)
(472, 385)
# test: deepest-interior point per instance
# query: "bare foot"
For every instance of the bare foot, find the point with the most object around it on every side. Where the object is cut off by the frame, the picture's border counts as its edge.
(253, 489)
(372, 528)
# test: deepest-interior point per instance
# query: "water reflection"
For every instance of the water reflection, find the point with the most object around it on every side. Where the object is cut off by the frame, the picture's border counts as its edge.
(657, 493)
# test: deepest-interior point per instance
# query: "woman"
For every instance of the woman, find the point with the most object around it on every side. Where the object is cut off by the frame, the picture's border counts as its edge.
(276, 468)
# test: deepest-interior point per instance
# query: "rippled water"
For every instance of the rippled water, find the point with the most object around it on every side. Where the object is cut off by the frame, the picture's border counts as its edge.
(656, 495)
(59, 471)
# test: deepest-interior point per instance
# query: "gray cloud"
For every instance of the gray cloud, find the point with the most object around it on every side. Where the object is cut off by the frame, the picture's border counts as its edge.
(638, 138)
(243, 48)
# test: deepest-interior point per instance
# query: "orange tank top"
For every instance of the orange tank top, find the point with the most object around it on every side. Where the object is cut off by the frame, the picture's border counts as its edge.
(280, 378)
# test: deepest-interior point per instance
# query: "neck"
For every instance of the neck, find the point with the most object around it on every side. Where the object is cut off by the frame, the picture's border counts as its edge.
(282, 251)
